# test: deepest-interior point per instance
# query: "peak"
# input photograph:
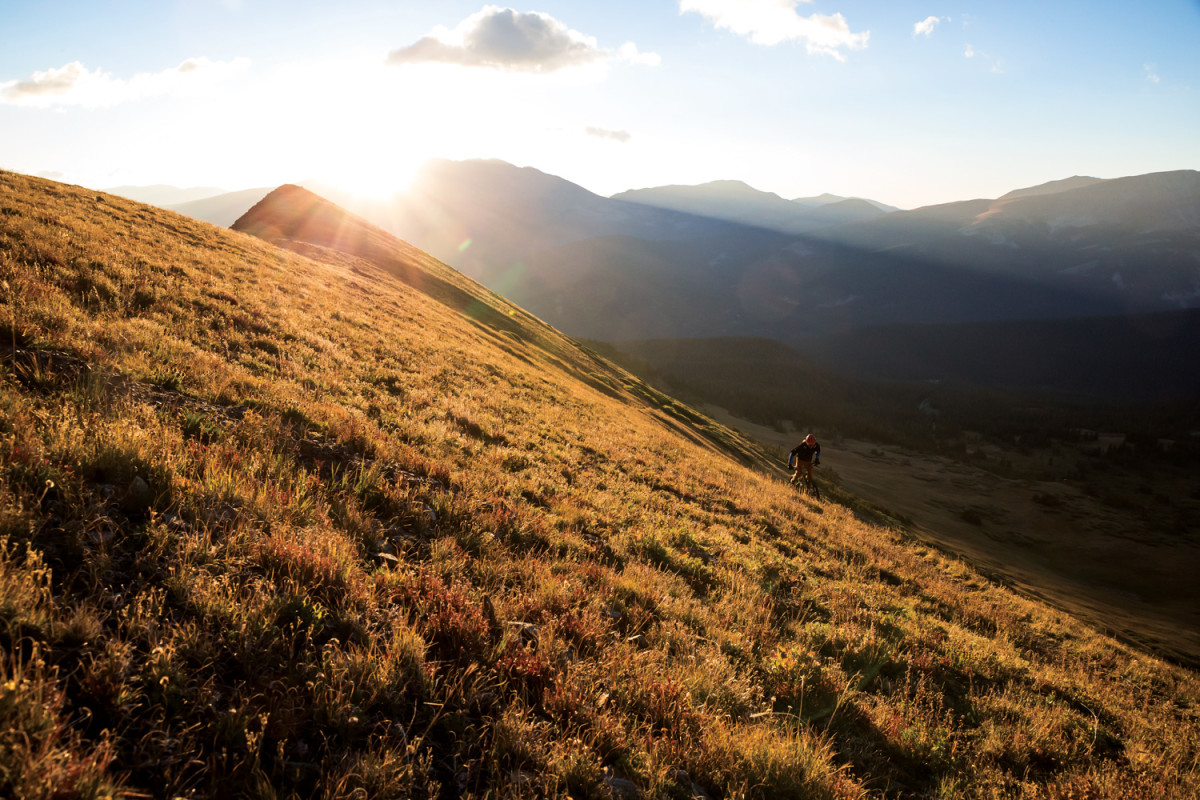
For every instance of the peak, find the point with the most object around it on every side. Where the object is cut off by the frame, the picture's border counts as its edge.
(293, 212)
(726, 184)
(289, 192)
(729, 183)
(822, 199)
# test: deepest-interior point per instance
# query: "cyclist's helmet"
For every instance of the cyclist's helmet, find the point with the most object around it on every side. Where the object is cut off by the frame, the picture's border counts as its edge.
(810, 439)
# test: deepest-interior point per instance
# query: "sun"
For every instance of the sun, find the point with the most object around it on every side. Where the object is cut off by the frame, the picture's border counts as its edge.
(373, 174)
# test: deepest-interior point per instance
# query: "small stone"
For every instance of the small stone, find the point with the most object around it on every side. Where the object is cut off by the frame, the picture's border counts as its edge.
(621, 788)
(138, 496)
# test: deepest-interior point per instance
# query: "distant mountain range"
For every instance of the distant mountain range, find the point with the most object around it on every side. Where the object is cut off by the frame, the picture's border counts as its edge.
(723, 259)
(735, 201)
(828, 199)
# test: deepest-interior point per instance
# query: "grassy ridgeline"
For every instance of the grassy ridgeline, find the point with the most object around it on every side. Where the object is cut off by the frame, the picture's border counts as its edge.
(290, 525)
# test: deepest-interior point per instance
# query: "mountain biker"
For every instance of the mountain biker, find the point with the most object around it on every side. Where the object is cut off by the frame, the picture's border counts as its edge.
(803, 458)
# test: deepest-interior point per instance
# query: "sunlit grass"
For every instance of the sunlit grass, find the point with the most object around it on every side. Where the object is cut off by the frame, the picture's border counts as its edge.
(278, 525)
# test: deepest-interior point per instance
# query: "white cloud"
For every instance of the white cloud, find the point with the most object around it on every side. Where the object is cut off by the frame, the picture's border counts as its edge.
(1151, 71)
(74, 84)
(969, 52)
(771, 22)
(925, 27)
(603, 133)
(629, 52)
(504, 39)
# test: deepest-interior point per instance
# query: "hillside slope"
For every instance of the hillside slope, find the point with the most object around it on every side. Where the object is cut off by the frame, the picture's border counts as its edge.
(280, 523)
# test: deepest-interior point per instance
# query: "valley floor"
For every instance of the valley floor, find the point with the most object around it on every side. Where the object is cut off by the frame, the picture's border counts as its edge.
(1048, 539)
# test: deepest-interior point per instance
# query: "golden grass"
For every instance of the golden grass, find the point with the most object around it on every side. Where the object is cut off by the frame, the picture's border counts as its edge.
(283, 524)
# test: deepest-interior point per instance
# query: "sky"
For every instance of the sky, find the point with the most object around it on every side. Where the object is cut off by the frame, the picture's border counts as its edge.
(907, 102)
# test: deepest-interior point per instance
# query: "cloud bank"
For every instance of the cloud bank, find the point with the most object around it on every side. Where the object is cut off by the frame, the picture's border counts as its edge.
(74, 84)
(770, 22)
(504, 39)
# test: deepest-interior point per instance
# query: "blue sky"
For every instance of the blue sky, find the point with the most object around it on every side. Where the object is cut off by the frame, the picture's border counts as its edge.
(906, 102)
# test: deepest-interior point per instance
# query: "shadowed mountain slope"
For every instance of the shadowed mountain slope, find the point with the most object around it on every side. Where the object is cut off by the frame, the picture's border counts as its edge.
(612, 270)
(278, 522)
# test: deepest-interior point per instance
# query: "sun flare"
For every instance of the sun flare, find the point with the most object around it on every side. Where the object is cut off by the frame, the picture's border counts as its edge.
(373, 175)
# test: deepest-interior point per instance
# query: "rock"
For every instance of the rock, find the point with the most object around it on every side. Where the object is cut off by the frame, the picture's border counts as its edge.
(138, 496)
(682, 779)
(621, 788)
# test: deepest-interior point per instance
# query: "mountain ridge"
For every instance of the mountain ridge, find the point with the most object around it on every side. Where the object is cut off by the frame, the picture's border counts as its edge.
(736, 201)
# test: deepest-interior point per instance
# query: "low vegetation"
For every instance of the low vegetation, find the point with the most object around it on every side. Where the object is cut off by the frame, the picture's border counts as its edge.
(285, 525)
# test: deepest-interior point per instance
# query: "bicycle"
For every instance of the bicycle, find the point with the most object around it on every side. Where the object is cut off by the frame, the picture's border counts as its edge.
(805, 482)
